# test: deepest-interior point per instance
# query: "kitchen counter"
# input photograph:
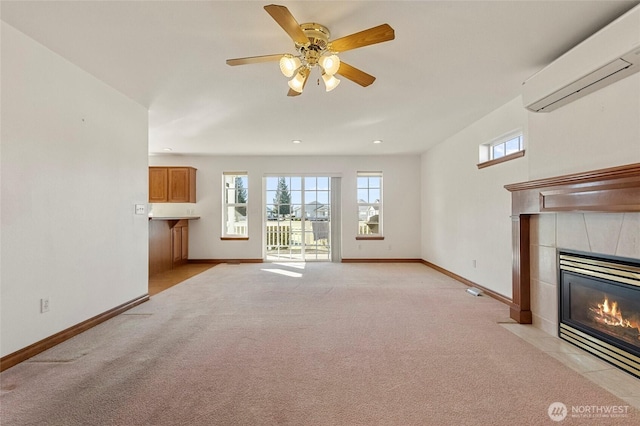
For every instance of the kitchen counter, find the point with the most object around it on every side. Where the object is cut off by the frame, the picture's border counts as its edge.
(173, 217)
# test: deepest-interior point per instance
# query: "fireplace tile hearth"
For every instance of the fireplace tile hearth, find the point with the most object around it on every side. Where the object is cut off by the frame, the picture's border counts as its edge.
(619, 383)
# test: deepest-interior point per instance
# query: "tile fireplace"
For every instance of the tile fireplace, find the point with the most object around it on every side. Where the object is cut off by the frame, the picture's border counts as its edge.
(599, 306)
(612, 190)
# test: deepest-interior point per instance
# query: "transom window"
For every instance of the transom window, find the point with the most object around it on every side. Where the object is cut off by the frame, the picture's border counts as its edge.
(236, 198)
(369, 193)
(504, 148)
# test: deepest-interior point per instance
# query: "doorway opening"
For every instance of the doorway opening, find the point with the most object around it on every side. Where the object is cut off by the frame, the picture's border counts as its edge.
(298, 218)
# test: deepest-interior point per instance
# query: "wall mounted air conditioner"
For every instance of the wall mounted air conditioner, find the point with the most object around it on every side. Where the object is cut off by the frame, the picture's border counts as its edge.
(607, 56)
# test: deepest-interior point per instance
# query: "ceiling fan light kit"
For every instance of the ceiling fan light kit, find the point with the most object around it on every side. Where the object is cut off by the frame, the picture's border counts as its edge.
(289, 64)
(330, 82)
(315, 50)
(330, 63)
(297, 82)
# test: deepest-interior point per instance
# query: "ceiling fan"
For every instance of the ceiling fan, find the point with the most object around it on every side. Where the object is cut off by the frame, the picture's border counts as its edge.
(315, 50)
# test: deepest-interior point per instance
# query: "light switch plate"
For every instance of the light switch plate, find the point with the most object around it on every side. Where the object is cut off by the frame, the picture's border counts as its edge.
(140, 209)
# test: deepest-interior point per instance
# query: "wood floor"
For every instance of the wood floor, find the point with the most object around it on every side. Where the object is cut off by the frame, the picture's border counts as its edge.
(167, 279)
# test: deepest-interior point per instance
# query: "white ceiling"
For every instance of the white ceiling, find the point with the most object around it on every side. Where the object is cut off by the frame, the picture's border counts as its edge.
(451, 63)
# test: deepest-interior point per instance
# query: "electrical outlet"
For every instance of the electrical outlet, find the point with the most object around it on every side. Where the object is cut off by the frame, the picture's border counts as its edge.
(44, 305)
(140, 208)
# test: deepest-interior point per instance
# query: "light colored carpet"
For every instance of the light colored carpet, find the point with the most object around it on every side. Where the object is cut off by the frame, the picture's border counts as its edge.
(295, 344)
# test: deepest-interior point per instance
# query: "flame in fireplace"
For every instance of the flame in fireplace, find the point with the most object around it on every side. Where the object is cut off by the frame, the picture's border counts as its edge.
(609, 314)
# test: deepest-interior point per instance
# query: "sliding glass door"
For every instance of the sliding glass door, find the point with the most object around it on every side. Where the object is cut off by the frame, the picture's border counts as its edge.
(298, 218)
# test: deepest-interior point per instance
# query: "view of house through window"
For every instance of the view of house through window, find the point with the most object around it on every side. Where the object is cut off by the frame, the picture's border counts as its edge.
(236, 197)
(369, 188)
(298, 222)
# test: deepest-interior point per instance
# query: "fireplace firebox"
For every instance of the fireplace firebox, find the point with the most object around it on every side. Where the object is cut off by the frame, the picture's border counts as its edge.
(599, 306)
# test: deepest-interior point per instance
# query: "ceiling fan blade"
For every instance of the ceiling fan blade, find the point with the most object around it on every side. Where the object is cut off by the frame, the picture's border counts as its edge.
(285, 19)
(373, 35)
(355, 75)
(254, 59)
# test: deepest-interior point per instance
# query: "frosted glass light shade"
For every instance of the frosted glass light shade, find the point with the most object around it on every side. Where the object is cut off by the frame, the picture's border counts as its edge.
(330, 64)
(297, 82)
(330, 82)
(289, 64)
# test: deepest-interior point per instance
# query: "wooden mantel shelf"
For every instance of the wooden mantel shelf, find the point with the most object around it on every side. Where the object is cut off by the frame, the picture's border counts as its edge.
(615, 189)
(607, 190)
(627, 171)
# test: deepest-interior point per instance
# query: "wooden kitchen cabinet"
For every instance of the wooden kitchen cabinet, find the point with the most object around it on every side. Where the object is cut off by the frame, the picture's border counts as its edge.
(185, 243)
(168, 244)
(172, 185)
(180, 242)
(158, 184)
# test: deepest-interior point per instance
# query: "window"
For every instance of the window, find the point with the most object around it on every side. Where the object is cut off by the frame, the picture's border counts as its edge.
(504, 148)
(235, 204)
(369, 188)
(501, 149)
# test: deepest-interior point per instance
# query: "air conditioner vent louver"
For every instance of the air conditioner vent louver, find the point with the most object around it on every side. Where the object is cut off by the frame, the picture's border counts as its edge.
(611, 54)
(586, 83)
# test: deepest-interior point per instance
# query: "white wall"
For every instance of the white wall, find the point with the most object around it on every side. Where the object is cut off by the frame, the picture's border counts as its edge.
(466, 210)
(74, 163)
(401, 198)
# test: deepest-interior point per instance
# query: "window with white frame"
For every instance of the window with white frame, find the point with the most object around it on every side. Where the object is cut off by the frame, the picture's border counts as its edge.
(236, 198)
(503, 148)
(369, 192)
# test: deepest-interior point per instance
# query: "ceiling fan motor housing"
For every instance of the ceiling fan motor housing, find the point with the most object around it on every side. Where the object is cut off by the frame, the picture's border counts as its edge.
(318, 36)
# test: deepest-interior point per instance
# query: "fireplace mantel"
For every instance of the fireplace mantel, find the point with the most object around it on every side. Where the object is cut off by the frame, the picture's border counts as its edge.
(615, 189)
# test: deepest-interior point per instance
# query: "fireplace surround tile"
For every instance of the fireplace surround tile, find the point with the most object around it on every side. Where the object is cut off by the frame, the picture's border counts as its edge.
(544, 305)
(543, 264)
(603, 231)
(629, 242)
(572, 232)
(543, 230)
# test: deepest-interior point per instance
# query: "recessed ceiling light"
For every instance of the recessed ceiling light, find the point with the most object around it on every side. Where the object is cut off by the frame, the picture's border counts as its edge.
(167, 149)
(296, 141)
(377, 141)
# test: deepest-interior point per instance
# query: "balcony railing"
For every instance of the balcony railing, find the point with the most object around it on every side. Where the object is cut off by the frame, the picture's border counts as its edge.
(283, 234)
